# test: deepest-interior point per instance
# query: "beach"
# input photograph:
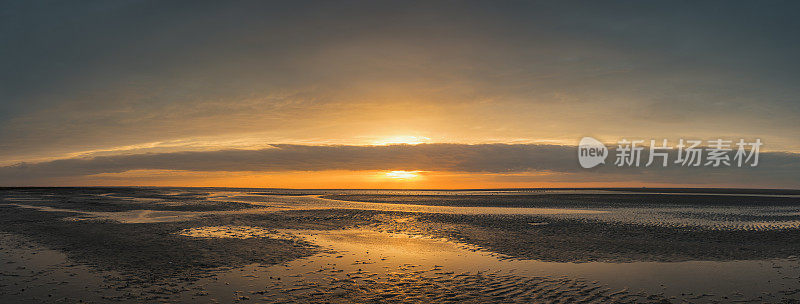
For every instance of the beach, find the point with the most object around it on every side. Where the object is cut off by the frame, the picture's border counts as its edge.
(230, 245)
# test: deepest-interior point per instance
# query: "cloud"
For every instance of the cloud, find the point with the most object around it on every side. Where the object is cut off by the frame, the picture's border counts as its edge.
(100, 74)
(775, 169)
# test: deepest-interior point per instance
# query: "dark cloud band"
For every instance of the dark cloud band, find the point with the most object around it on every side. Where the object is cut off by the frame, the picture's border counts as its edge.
(781, 169)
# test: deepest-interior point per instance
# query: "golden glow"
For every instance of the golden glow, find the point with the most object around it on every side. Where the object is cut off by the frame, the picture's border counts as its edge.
(402, 175)
(344, 179)
(406, 139)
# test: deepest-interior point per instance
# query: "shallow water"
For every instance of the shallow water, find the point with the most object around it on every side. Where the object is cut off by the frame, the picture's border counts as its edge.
(378, 256)
(315, 202)
(371, 263)
(714, 217)
(711, 217)
(268, 203)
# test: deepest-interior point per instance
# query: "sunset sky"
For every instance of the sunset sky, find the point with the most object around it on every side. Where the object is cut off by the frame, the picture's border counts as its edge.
(390, 94)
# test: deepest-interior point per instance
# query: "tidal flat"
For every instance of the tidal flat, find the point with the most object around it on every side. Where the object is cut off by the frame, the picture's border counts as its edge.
(231, 245)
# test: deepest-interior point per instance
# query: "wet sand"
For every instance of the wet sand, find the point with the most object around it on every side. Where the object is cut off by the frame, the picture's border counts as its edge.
(250, 245)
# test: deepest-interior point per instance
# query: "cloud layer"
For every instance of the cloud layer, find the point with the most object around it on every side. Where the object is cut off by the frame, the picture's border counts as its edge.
(102, 74)
(778, 169)
(164, 85)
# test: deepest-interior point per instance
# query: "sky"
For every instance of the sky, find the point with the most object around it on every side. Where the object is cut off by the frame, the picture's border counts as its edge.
(390, 94)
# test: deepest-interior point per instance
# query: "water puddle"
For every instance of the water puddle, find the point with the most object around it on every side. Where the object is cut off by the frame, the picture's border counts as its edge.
(373, 256)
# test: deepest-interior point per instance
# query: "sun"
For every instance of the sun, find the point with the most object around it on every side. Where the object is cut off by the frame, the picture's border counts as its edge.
(402, 175)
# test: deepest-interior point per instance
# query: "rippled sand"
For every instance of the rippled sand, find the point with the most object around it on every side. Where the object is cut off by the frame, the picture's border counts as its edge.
(212, 245)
